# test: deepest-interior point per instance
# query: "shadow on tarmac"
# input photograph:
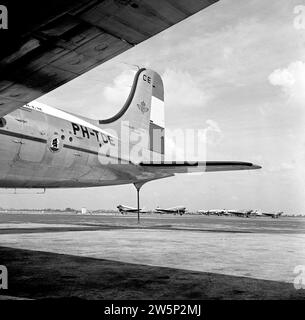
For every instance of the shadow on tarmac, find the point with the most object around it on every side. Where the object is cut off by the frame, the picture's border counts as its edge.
(40, 275)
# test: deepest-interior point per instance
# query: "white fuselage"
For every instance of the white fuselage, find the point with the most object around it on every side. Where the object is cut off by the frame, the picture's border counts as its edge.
(43, 147)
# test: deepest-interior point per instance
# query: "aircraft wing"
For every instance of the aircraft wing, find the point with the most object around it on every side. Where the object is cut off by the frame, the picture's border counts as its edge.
(49, 43)
(198, 166)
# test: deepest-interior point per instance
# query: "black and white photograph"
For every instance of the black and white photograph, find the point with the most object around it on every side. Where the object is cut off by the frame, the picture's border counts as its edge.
(152, 151)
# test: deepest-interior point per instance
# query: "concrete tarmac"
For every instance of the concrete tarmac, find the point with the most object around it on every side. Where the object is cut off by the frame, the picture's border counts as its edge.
(165, 257)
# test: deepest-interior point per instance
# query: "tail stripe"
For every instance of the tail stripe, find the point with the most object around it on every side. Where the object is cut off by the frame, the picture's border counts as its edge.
(128, 101)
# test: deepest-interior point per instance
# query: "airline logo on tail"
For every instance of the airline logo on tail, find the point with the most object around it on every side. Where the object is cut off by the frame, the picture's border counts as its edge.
(142, 107)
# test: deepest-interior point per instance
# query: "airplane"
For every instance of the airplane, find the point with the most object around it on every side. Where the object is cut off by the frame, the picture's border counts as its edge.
(44, 147)
(256, 213)
(240, 213)
(273, 215)
(125, 209)
(217, 212)
(226, 213)
(175, 210)
(204, 212)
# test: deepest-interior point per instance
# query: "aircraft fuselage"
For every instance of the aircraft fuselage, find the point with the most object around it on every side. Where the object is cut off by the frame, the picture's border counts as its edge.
(54, 149)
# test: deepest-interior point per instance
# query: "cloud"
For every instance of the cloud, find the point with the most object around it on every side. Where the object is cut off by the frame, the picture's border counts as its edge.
(227, 52)
(212, 134)
(237, 61)
(191, 144)
(182, 90)
(173, 150)
(282, 78)
(117, 93)
(280, 167)
(292, 82)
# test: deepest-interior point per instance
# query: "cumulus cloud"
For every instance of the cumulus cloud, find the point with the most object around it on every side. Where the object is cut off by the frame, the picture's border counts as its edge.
(282, 77)
(292, 81)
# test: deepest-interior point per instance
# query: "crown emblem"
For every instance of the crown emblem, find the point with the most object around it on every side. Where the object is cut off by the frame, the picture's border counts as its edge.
(142, 107)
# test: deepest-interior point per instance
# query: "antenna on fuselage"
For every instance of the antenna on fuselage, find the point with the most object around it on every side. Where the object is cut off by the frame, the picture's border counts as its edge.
(133, 65)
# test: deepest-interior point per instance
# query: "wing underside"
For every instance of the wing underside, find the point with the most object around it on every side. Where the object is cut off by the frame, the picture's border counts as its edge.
(49, 43)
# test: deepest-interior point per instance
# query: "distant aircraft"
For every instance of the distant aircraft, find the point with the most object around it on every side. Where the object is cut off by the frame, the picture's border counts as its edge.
(175, 210)
(216, 212)
(273, 215)
(256, 213)
(125, 209)
(226, 213)
(240, 213)
(204, 212)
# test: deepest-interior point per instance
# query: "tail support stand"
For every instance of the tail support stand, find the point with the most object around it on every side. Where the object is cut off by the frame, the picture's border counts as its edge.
(138, 186)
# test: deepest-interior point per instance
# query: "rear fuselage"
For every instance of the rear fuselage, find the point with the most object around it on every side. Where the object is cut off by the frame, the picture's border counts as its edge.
(45, 150)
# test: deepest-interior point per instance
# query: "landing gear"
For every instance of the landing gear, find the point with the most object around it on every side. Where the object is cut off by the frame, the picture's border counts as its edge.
(138, 186)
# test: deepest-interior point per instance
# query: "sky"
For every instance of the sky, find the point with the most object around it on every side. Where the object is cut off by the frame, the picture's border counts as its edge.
(236, 70)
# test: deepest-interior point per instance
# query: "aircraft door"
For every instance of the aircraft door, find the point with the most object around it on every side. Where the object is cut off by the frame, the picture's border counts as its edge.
(10, 145)
(33, 144)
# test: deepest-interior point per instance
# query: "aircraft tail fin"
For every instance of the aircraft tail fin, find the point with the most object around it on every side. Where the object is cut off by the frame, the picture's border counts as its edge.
(142, 114)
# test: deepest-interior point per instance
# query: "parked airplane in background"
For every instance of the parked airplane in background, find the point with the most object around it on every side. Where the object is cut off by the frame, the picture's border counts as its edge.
(225, 213)
(273, 215)
(256, 213)
(216, 212)
(125, 209)
(240, 213)
(204, 212)
(175, 210)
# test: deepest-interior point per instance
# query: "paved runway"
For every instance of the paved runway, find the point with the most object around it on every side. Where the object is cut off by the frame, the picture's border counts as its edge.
(110, 256)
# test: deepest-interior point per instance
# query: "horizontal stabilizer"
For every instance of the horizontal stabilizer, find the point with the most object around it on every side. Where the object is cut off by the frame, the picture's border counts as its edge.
(198, 166)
